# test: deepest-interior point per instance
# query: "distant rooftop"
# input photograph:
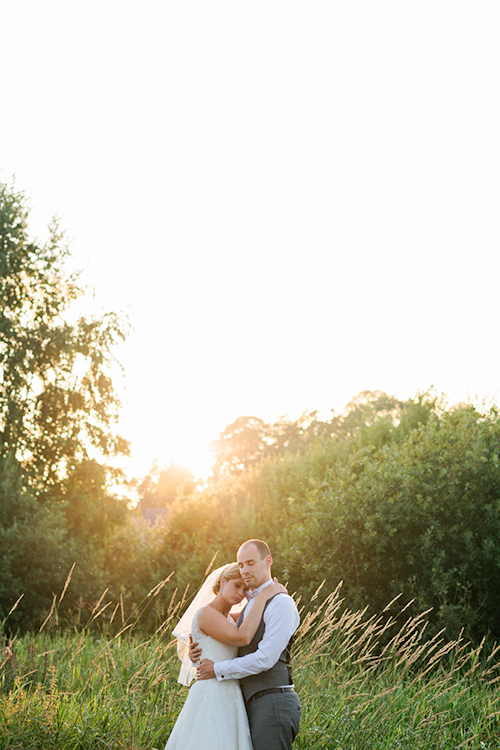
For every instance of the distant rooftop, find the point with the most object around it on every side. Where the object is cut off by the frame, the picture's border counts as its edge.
(152, 515)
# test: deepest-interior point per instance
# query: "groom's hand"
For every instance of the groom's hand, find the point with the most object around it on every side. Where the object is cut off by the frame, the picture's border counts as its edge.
(205, 670)
(194, 651)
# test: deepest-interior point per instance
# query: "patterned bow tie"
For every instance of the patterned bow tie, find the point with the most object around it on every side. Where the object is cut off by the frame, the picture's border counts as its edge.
(251, 594)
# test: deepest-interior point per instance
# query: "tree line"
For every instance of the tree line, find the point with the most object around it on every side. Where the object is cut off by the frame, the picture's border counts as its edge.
(396, 499)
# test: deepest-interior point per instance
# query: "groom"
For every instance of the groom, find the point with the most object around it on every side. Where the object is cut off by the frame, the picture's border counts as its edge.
(263, 667)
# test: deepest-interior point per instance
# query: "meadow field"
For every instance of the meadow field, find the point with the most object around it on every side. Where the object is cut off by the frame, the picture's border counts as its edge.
(364, 682)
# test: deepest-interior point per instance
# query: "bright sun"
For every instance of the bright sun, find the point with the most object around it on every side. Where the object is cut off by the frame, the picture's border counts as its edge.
(185, 444)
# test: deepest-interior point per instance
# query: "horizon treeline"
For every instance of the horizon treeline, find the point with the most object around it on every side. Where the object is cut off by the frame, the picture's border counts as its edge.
(393, 498)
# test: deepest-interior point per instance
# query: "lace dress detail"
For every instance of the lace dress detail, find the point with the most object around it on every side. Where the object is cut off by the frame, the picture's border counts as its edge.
(214, 715)
(212, 649)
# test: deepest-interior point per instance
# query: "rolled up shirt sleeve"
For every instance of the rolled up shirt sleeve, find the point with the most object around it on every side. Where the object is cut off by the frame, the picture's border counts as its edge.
(281, 619)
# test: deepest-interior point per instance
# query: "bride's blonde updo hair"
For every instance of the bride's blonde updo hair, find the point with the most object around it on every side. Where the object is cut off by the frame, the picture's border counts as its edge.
(230, 573)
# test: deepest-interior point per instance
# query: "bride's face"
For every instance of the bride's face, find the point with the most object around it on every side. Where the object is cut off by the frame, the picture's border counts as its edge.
(233, 590)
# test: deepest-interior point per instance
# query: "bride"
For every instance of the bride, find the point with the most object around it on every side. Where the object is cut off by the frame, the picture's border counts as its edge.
(214, 715)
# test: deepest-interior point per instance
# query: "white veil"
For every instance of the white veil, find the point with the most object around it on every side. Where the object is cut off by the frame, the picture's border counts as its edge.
(183, 628)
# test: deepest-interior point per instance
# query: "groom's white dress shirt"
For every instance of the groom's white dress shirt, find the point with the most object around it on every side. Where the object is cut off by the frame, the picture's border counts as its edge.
(282, 620)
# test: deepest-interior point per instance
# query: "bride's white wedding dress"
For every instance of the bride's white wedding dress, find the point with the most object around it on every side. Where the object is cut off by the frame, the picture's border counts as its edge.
(213, 716)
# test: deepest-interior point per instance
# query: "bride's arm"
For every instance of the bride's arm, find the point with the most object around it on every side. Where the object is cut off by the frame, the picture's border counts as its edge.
(213, 623)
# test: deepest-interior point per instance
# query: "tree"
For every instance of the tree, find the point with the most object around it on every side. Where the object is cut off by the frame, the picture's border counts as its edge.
(161, 487)
(58, 409)
(57, 400)
(419, 516)
(242, 444)
(249, 440)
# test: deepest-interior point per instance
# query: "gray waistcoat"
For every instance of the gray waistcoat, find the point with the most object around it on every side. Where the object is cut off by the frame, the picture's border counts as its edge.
(280, 674)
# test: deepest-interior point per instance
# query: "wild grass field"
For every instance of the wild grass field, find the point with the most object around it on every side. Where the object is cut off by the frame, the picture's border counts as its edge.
(364, 682)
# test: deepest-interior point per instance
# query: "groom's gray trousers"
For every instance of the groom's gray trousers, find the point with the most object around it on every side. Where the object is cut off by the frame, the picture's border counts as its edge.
(274, 721)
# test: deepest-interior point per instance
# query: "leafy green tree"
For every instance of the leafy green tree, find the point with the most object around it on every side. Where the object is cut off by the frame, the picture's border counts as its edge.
(419, 517)
(371, 418)
(249, 440)
(58, 407)
(57, 400)
(366, 409)
(392, 498)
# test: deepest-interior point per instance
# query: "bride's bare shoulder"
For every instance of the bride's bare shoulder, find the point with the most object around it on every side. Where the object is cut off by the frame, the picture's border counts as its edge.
(208, 613)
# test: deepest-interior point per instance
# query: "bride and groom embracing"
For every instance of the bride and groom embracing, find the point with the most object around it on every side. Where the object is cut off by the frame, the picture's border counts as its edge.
(262, 710)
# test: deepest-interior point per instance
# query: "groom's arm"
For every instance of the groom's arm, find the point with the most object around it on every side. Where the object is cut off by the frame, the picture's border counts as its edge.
(282, 620)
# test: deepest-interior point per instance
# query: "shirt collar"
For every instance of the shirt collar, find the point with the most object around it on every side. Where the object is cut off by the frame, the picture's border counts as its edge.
(263, 586)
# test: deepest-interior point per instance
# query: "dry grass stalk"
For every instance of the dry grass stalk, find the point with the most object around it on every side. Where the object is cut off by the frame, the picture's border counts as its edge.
(316, 593)
(68, 579)
(209, 568)
(388, 606)
(98, 614)
(123, 630)
(15, 605)
(98, 604)
(114, 613)
(467, 741)
(50, 613)
(156, 589)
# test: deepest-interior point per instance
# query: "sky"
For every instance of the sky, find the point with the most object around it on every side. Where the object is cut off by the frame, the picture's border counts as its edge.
(291, 202)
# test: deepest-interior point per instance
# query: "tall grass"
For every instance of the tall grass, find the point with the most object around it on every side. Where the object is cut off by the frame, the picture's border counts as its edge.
(364, 682)
(369, 683)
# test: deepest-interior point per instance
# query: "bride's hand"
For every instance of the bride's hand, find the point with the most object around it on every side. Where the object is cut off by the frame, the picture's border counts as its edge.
(273, 589)
(194, 651)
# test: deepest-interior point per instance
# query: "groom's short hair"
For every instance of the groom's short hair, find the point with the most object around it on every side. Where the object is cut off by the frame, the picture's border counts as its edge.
(262, 547)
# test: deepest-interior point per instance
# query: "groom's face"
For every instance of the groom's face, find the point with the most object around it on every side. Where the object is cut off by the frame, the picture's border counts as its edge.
(254, 569)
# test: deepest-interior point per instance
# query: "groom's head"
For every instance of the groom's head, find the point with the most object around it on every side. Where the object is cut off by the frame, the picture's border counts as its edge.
(254, 559)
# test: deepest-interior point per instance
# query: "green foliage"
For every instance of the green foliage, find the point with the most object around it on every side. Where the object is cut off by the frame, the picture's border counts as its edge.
(56, 395)
(371, 419)
(58, 408)
(33, 562)
(161, 487)
(75, 690)
(393, 498)
(249, 440)
(91, 513)
(420, 517)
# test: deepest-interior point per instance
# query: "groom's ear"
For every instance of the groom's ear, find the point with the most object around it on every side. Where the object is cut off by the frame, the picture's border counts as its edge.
(269, 560)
